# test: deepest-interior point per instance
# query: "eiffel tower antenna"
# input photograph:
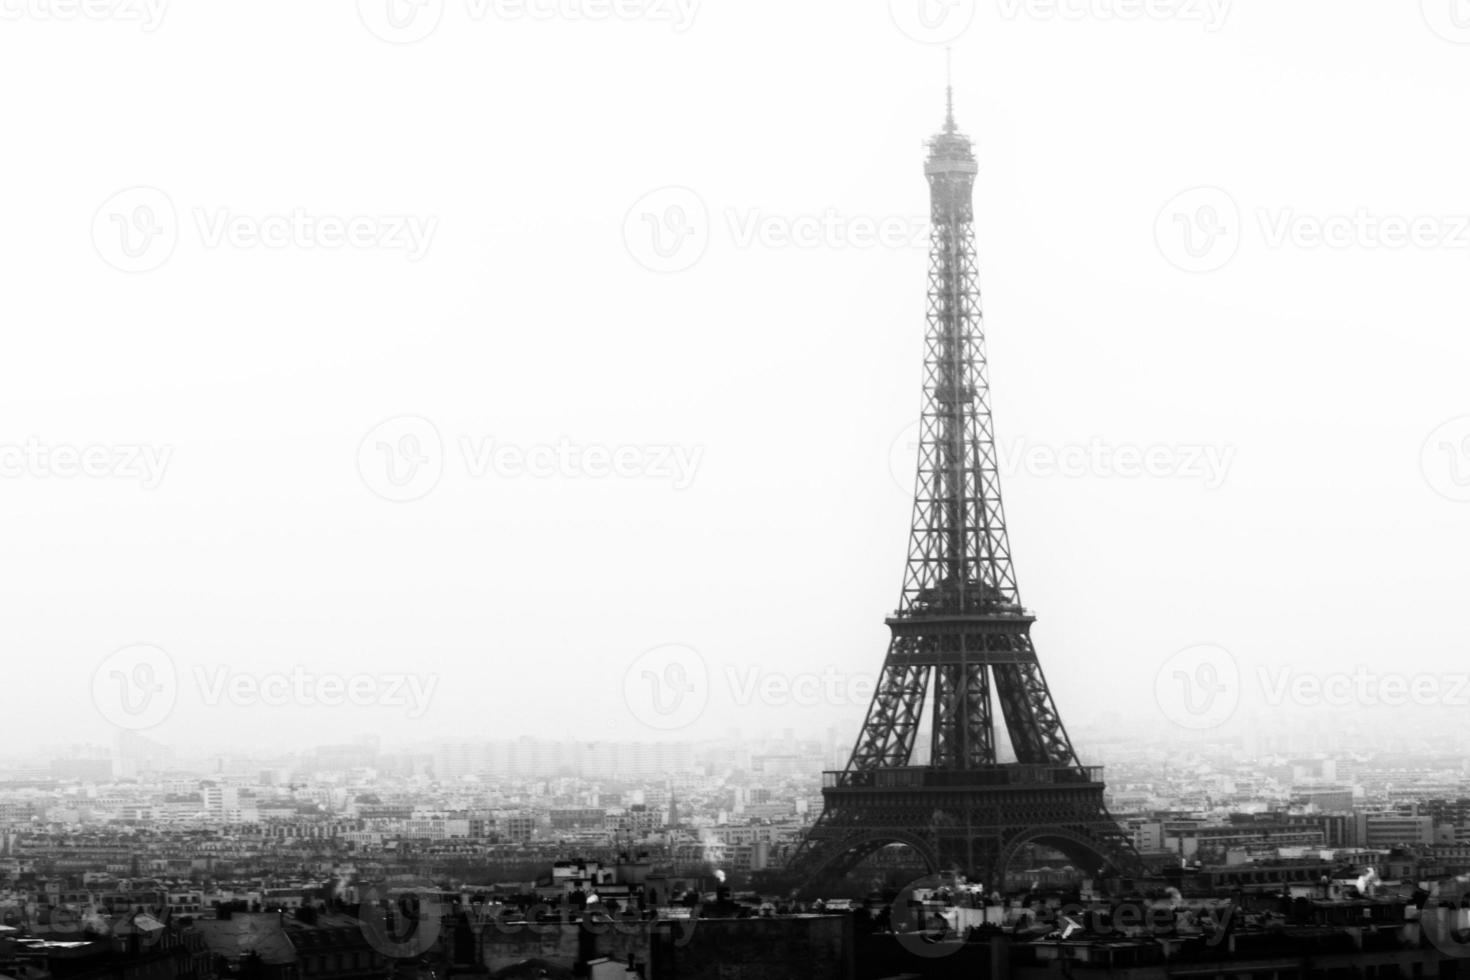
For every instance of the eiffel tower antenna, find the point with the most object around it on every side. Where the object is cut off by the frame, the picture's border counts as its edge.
(960, 630)
(949, 126)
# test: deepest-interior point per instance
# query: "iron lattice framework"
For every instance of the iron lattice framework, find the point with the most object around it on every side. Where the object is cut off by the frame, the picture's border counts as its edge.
(960, 634)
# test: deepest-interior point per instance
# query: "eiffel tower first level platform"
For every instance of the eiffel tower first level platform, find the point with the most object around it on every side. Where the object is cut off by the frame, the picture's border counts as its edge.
(961, 639)
(973, 821)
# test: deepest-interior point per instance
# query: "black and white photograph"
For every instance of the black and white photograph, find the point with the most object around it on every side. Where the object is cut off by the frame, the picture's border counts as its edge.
(698, 490)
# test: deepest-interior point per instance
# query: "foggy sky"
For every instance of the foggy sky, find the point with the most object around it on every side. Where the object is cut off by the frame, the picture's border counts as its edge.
(501, 163)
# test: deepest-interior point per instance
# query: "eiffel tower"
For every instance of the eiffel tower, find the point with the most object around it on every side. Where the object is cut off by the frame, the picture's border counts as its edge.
(960, 630)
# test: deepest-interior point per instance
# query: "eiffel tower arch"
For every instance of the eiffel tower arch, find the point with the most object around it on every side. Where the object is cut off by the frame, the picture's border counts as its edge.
(961, 639)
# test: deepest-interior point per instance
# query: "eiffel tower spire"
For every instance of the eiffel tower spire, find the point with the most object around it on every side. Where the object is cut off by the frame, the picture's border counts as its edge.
(949, 125)
(961, 640)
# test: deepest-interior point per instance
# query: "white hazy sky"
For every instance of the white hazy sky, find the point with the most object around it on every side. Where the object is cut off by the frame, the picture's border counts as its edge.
(519, 143)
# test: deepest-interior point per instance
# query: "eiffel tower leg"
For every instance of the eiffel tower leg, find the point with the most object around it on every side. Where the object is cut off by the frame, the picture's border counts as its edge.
(1032, 722)
(893, 718)
(963, 735)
